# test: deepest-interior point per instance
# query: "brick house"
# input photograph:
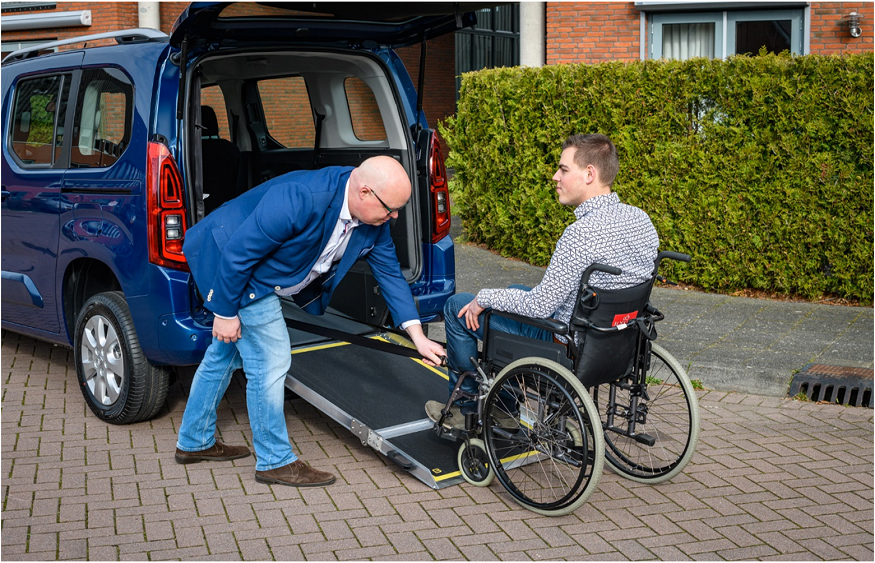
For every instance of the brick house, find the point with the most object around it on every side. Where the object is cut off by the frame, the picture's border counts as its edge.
(528, 33)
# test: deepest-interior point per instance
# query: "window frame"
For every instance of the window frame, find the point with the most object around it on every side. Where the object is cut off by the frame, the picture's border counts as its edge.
(267, 130)
(130, 112)
(725, 27)
(59, 158)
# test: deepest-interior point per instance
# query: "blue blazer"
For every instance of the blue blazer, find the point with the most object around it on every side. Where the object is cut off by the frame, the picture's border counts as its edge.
(271, 236)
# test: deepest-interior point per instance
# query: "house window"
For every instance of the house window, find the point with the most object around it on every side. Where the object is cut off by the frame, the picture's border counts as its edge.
(493, 42)
(683, 36)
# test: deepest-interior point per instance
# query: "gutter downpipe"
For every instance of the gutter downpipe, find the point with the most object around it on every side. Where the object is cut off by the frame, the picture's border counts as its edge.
(149, 15)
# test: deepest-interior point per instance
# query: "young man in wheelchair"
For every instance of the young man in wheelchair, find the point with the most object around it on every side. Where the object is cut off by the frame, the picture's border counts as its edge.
(605, 231)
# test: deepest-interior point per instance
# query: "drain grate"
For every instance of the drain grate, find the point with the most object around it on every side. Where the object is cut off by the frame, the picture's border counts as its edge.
(834, 384)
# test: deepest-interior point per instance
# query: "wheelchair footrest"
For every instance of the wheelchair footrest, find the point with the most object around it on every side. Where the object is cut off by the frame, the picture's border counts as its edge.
(645, 439)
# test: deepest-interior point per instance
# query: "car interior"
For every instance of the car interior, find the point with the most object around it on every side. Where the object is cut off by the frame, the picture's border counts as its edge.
(263, 114)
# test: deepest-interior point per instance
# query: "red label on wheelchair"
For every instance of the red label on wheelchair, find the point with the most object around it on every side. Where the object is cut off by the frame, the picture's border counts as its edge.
(624, 318)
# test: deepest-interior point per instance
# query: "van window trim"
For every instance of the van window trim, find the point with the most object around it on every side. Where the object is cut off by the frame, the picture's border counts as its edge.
(57, 163)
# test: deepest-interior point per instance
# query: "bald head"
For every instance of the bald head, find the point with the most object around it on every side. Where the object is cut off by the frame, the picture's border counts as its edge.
(378, 185)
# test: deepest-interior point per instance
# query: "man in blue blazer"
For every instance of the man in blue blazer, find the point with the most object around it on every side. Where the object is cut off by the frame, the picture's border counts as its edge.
(295, 235)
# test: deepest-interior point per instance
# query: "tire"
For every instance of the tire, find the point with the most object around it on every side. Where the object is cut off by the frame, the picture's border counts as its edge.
(671, 419)
(539, 435)
(119, 384)
(474, 463)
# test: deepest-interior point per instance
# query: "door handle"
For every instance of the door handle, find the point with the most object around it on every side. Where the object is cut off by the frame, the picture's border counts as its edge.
(4, 194)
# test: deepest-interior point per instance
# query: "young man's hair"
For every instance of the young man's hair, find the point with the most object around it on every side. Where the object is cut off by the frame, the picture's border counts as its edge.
(597, 150)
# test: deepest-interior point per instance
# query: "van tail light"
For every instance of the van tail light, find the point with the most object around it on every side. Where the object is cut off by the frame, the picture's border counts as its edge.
(440, 193)
(167, 219)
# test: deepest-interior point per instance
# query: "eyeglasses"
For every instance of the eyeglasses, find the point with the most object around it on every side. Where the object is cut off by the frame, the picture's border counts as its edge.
(389, 210)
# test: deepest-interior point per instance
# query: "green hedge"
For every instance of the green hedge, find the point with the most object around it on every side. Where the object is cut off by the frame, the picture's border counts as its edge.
(759, 167)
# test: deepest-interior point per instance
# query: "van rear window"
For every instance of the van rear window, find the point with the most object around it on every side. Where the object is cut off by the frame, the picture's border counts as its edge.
(287, 111)
(102, 126)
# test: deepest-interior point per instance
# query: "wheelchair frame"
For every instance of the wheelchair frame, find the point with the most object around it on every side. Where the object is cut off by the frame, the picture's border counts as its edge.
(565, 445)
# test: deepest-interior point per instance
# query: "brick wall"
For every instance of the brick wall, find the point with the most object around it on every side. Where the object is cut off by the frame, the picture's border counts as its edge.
(592, 32)
(170, 11)
(829, 31)
(105, 16)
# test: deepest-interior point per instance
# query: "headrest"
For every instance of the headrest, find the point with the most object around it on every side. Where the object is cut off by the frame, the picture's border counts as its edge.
(209, 122)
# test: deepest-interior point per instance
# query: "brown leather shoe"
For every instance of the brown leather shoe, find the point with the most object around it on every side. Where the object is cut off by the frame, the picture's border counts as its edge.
(296, 474)
(219, 452)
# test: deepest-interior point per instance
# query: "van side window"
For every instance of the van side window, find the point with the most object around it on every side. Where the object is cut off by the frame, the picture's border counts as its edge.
(102, 126)
(287, 111)
(38, 119)
(212, 96)
(367, 124)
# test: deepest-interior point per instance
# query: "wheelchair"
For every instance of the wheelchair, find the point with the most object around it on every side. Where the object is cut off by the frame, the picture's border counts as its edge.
(549, 414)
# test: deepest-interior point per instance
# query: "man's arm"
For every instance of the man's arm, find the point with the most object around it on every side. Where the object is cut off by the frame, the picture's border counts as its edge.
(277, 218)
(559, 284)
(384, 264)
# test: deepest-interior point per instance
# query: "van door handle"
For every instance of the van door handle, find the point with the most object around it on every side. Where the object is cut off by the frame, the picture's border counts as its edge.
(4, 194)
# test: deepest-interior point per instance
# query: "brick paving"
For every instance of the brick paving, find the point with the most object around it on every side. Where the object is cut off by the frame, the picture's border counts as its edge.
(772, 479)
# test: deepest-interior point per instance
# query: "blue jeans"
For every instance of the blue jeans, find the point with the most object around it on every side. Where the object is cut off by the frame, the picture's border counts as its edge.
(462, 341)
(264, 351)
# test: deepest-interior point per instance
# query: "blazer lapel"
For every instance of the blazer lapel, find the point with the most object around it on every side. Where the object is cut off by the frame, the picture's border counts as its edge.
(350, 255)
(332, 214)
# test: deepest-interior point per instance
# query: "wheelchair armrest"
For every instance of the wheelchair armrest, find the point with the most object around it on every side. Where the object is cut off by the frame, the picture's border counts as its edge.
(548, 324)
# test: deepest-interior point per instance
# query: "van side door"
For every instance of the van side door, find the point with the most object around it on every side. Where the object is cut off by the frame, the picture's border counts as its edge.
(35, 158)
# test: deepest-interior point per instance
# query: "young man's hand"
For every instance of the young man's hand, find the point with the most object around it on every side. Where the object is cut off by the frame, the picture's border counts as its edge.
(472, 311)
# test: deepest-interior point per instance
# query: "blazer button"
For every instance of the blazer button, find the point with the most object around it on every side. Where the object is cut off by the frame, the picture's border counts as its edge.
(277, 288)
(252, 296)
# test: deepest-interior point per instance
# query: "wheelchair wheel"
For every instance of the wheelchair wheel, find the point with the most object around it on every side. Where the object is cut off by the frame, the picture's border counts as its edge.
(539, 433)
(666, 421)
(474, 463)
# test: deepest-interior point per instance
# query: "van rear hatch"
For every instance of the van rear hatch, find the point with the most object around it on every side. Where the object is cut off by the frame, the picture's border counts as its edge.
(385, 24)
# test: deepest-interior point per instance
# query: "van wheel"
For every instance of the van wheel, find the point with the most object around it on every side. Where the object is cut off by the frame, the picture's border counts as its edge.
(119, 384)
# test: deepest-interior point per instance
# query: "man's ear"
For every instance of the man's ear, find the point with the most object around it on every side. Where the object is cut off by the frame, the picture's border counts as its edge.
(362, 191)
(592, 174)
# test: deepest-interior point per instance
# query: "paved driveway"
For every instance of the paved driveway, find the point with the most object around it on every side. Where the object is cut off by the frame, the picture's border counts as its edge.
(772, 479)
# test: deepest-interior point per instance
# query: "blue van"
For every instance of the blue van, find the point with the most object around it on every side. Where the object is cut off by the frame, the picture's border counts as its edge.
(111, 152)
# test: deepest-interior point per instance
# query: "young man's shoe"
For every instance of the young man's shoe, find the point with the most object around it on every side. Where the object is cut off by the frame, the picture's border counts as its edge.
(219, 452)
(454, 420)
(295, 474)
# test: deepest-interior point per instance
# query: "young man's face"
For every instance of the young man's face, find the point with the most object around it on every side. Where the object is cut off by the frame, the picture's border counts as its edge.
(572, 181)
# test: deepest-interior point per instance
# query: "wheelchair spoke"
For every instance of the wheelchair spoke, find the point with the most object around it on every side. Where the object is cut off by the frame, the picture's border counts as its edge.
(540, 454)
(665, 426)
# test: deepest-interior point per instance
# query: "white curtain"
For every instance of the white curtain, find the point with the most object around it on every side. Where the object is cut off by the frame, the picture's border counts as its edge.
(684, 41)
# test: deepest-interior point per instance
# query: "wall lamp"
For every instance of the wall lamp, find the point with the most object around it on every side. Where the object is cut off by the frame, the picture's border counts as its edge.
(853, 20)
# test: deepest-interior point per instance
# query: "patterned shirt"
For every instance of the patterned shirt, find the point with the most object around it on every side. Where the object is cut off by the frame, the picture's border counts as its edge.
(607, 232)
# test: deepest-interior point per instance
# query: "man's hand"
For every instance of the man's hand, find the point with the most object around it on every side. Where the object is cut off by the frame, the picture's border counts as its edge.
(226, 330)
(472, 311)
(431, 351)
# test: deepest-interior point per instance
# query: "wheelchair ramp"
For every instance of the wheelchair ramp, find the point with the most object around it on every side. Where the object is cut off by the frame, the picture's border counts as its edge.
(380, 398)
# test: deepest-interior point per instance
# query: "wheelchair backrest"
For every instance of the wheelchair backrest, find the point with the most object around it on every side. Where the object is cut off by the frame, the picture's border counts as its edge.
(606, 356)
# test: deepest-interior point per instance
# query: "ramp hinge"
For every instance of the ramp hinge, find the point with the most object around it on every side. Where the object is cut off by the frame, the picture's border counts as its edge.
(366, 435)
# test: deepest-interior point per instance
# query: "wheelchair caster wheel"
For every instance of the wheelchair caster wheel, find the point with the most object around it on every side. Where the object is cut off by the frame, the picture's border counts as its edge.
(474, 463)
